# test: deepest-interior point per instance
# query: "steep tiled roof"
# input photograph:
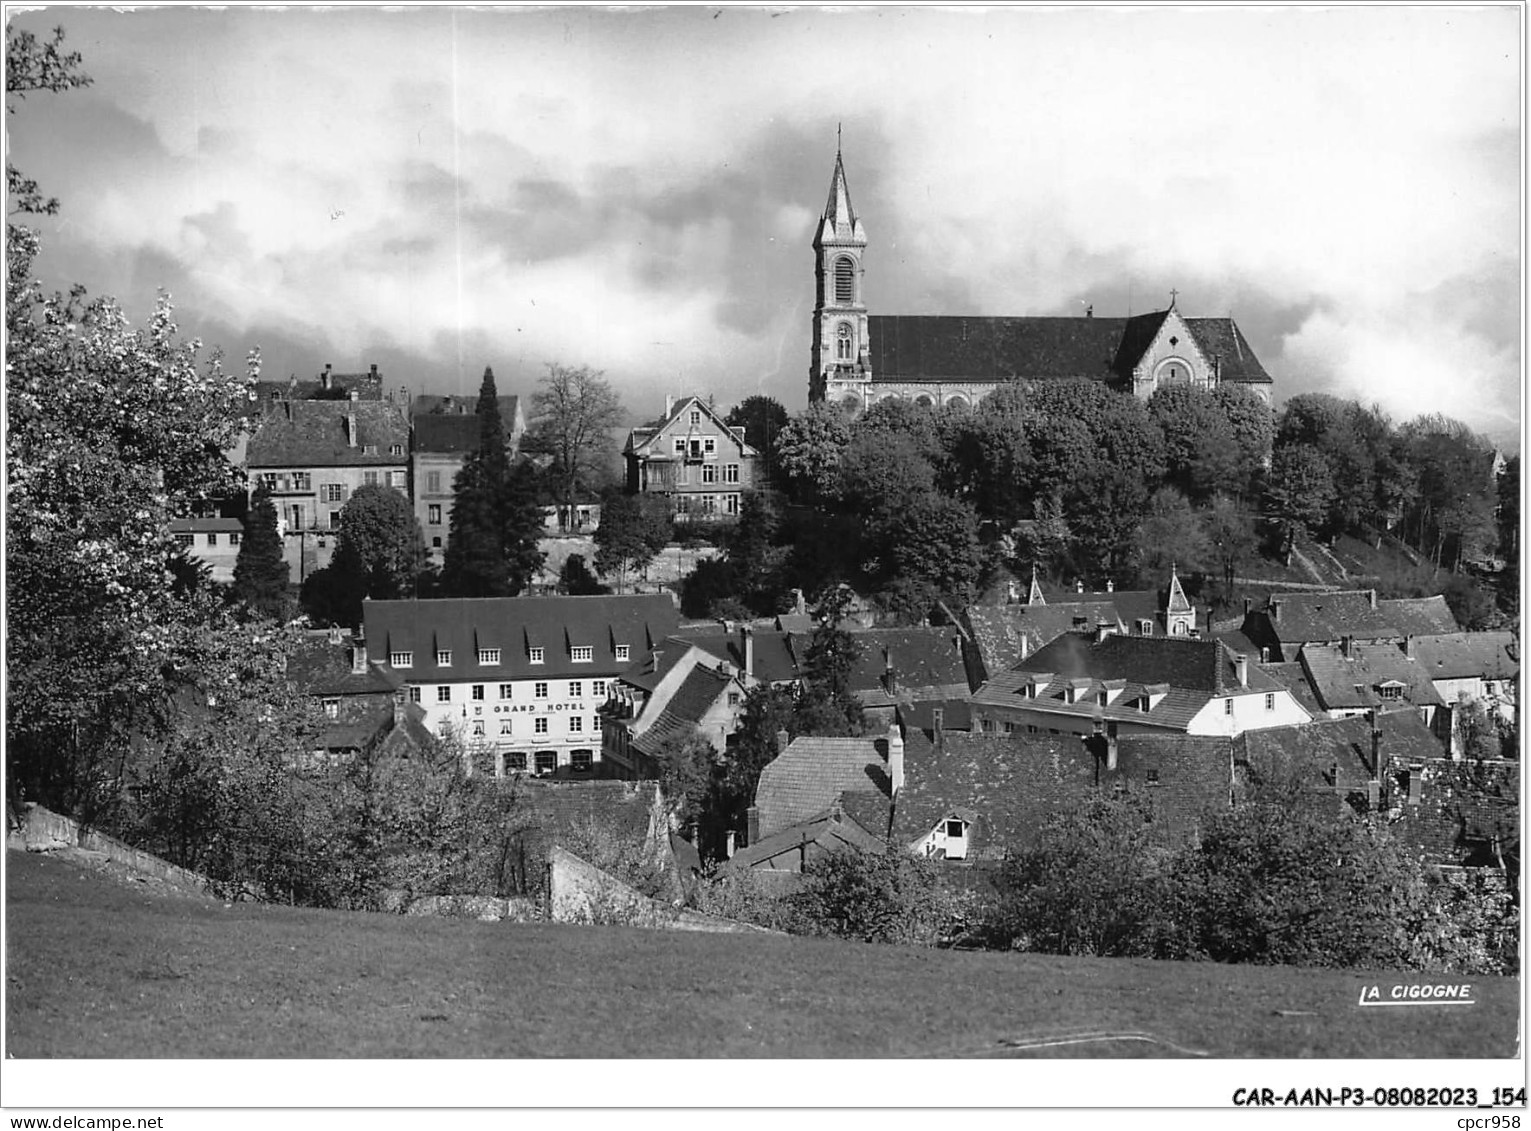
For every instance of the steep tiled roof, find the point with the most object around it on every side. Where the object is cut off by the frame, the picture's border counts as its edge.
(926, 661)
(440, 429)
(1002, 633)
(1297, 618)
(515, 625)
(1334, 752)
(1009, 786)
(930, 347)
(1419, 616)
(1468, 655)
(318, 667)
(956, 714)
(804, 778)
(367, 386)
(1221, 338)
(313, 434)
(1291, 676)
(774, 660)
(685, 710)
(819, 835)
(644, 434)
(1137, 335)
(872, 811)
(1183, 777)
(1346, 682)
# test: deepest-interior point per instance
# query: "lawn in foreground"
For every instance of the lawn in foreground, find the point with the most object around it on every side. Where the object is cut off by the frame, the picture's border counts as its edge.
(100, 968)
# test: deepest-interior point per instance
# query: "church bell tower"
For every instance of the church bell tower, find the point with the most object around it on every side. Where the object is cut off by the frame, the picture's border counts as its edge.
(840, 366)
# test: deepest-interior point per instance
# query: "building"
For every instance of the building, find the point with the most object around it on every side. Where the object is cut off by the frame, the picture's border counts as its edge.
(1471, 667)
(676, 691)
(326, 386)
(1356, 678)
(519, 680)
(860, 358)
(446, 431)
(1111, 684)
(693, 460)
(813, 774)
(313, 455)
(212, 541)
(1288, 621)
(365, 706)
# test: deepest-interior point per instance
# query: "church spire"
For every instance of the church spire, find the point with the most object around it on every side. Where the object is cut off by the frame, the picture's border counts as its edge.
(1034, 595)
(840, 221)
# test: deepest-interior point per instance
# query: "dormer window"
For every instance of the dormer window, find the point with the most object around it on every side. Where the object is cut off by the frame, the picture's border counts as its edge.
(369, 449)
(582, 653)
(401, 659)
(488, 655)
(1390, 690)
(622, 651)
(396, 449)
(444, 658)
(1145, 628)
(535, 655)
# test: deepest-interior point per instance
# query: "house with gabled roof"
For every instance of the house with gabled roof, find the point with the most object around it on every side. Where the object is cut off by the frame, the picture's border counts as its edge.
(365, 706)
(693, 460)
(803, 781)
(1287, 621)
(446, 432)
(1353, 678)
(519, 680)
(212, 541)
(1113, 684)
(313, 455)
(1472, 667)
(859, 358)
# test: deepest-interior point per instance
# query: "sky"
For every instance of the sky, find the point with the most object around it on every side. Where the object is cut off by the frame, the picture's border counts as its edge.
(440, 190)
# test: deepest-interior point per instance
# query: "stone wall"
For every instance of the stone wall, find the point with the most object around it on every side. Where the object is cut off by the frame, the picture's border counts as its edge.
(579, 892)
(43, 830)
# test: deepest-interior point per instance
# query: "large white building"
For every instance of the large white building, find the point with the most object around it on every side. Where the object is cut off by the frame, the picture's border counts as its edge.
(520, 680)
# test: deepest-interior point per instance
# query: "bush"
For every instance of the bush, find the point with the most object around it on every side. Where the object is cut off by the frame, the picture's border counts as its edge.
(888, 898)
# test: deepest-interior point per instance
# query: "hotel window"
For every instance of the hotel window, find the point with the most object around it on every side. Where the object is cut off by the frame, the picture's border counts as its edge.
(540, 691)
(488, 655)
(598, 688)
(478, 692)
(369, 478)
(478, 728)
(709, 473)
(398, 479)
(576, 724)
(576, 689)
(535, 655)
(582, 653)
(414, 694)
(709, 504)
(1270, 702)
(334, 493)
(401, 659)
(433, 481)
(433, 514)
(539, 726)
(730, 473)
(581, 760)
(504, 726)
(268, 480)
(444, 659)
(731, 504)
(621, 651)
(505, 690)
(302, 481)
(444, 693)
(516, 760)
(1227, 706)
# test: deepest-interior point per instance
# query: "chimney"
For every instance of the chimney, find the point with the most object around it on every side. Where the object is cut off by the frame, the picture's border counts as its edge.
(358, 656)
(1408, 647)
(324, 379)
(799, 603)
(747, 649)
(1089, 311)
(889, 673)
(1372, 593)
(351, 423)
(1102, 630)
(938, 724)
(1241, 667)
(728, 845)
(895, 758)
(354, 395)
(782, 740)
(752, 825)
(1347, 646)
(1248, 604)
(669, 404)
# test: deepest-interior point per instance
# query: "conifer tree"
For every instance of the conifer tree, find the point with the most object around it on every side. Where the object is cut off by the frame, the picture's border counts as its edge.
(260, 573)
(495, 518)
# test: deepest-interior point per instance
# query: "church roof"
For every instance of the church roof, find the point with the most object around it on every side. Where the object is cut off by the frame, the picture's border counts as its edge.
(840, 222)
(1221, 338)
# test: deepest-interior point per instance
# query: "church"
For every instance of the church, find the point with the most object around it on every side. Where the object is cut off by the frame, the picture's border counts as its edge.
(861, 358)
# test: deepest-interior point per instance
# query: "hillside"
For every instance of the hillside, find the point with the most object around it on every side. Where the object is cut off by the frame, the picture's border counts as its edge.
(102, 966)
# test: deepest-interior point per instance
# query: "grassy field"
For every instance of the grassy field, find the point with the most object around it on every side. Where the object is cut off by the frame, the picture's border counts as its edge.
(100, 965)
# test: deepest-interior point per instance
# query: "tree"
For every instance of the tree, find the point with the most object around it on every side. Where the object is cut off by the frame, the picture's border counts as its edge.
(634, 528)
(496, 522)
(576, 580)
(762, 419)
(1202, 452)
(809, 448)
(573, 415)
(1232, 538)
(33, 66)
(886, 897)
(380, 551)
(1172, 534)
(1253, 427)
(931, 552)
(685, 762)
(1298, 493)
(827, 705)
(261, 575)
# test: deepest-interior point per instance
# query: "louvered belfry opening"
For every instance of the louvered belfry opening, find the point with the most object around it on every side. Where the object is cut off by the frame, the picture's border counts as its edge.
(845, 281)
